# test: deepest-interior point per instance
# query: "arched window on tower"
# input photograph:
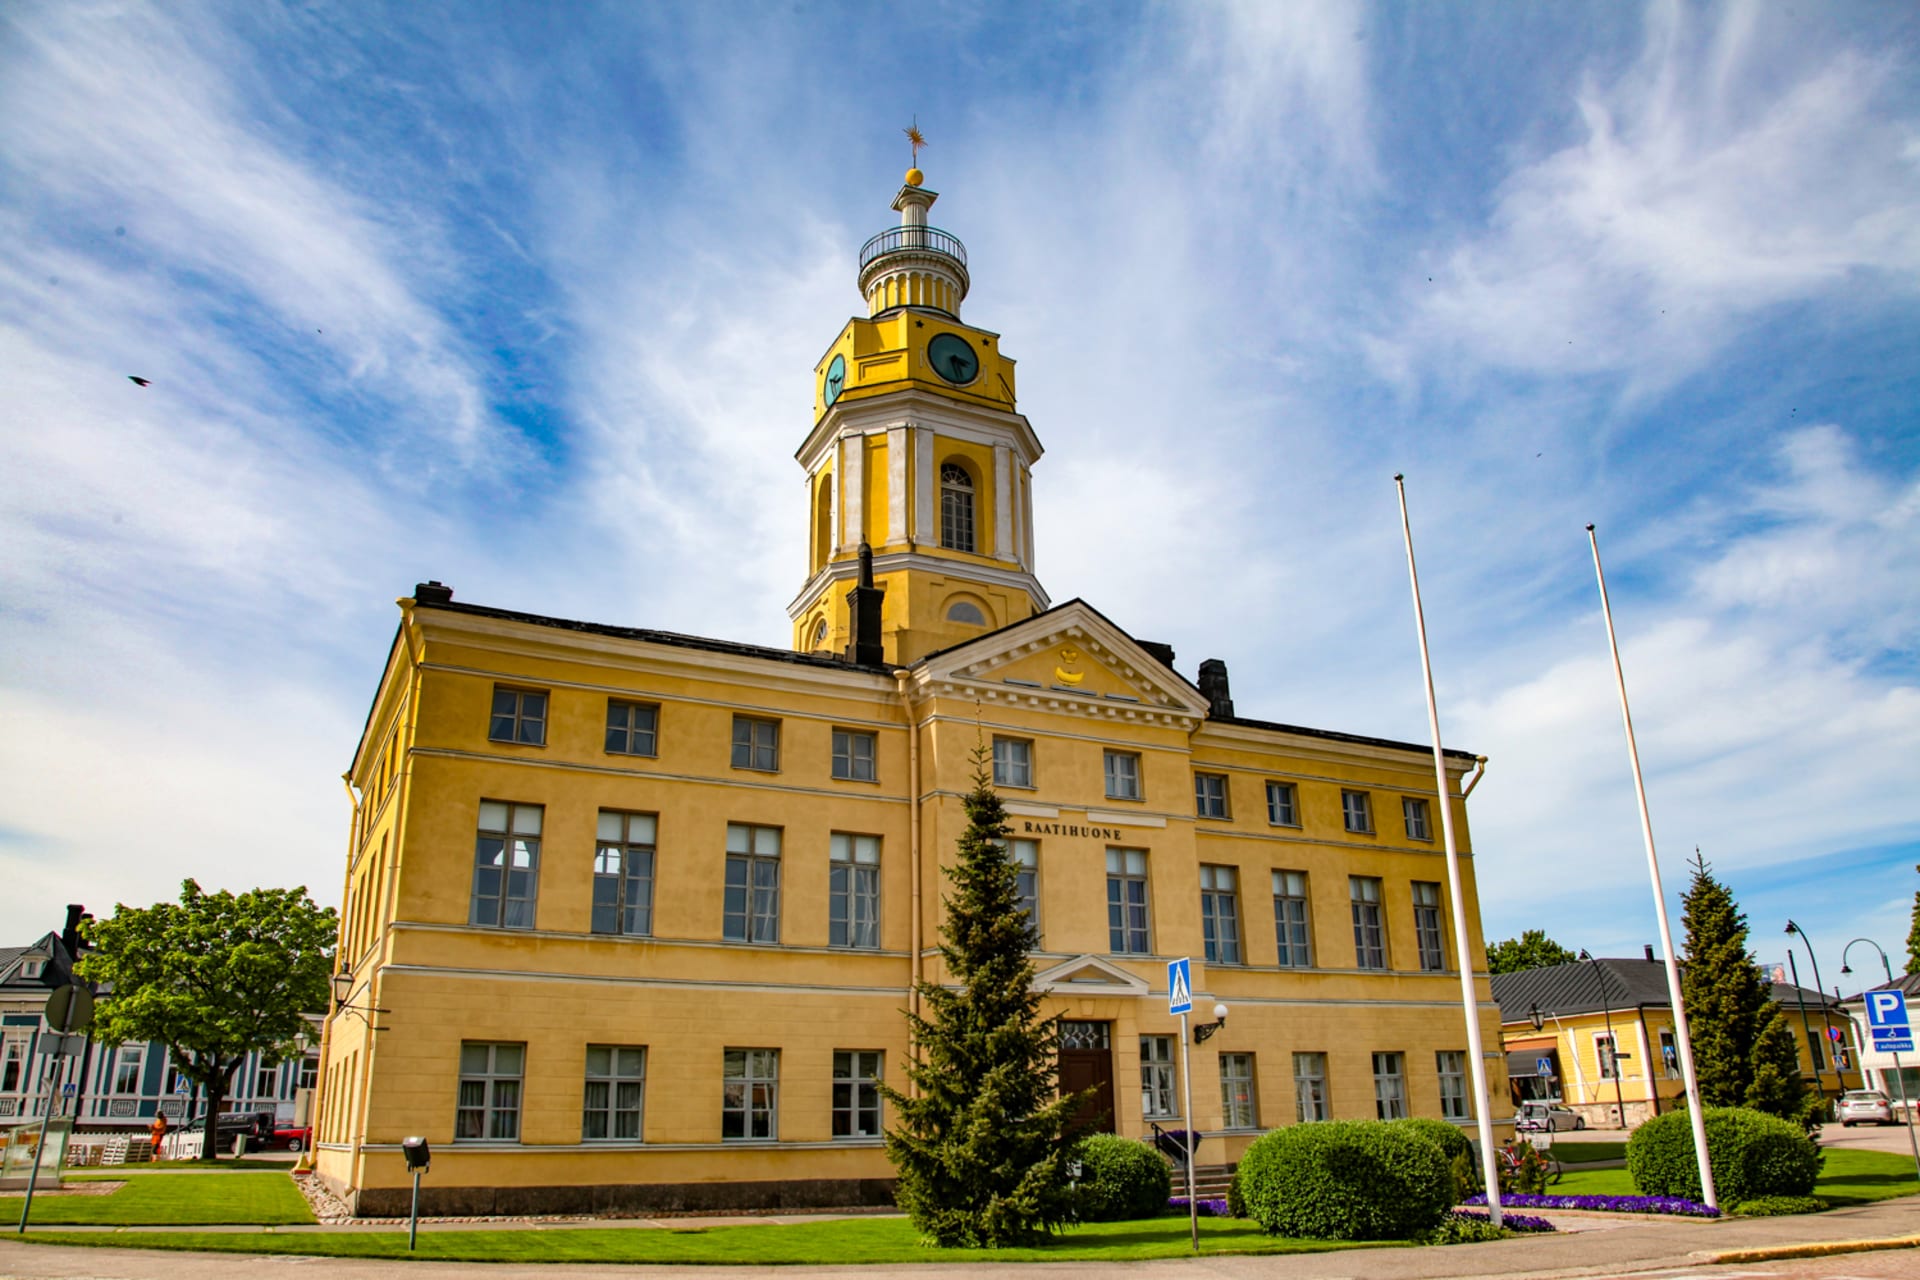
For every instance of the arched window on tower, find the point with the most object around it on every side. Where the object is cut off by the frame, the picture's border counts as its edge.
(823, 524)
(956, 507)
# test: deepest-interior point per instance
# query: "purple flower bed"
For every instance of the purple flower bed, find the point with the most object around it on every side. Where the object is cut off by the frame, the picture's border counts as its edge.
(1208, 1208)
(1611, 1204)
(1511, 1221)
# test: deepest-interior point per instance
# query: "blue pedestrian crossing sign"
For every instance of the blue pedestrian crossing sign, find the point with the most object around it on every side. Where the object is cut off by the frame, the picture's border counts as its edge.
(1887, 1019)
(1180, 985)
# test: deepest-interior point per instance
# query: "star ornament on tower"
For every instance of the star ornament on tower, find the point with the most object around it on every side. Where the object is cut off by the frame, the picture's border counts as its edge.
(916, 139)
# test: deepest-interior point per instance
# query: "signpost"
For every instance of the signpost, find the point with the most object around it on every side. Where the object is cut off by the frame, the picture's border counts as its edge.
(69, 1008)
(1892, 1032)
(1180, 1001)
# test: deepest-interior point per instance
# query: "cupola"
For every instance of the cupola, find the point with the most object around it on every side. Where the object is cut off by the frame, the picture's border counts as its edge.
(914, 264)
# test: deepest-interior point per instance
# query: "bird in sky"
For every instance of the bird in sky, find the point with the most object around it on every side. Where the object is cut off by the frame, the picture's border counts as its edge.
(138, 381)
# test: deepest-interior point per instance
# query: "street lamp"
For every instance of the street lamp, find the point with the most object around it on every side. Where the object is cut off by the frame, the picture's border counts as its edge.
(1613, 1045)
(1900, 1083)
(343, 999)
(1795, 929)
(1204, 1032)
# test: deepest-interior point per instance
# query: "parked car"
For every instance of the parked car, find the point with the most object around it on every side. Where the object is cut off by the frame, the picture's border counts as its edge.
(1861, 1106)
(1546, 1117)
(294, 1138)
(256, 1127)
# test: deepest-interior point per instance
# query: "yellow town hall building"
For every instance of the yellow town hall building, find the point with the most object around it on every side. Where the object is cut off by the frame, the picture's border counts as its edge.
(636, 915)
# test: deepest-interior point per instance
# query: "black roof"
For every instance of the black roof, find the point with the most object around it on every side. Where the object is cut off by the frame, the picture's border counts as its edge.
(1575, 988)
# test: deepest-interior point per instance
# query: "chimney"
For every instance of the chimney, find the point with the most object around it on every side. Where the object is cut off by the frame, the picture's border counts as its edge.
(863, 613)
(431, 592)
(1650, 959)
(1162, 652)
(1213, 684)
(70, 934)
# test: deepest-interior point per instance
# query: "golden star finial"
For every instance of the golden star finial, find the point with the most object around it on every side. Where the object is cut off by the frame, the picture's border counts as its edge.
(916, 138)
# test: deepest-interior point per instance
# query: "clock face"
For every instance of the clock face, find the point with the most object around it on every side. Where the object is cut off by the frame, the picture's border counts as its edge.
(952, 357)
(836, 379)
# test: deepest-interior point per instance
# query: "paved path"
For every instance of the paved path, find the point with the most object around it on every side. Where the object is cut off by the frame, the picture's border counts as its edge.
(1592, 1246)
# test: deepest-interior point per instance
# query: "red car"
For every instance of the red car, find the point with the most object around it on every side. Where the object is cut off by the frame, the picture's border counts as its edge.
(289, 1138)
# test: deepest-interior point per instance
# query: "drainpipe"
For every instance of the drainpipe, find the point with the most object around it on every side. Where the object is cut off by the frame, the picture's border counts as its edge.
(1479, 772)
(901, 676)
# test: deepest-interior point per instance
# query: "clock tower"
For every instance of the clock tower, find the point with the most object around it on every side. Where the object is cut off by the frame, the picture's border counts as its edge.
(918, 453)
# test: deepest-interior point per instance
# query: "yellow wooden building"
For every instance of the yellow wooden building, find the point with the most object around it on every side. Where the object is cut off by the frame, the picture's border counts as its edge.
(637, 914)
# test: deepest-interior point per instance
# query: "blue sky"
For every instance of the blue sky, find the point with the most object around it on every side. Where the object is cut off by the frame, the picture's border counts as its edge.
(526, 298)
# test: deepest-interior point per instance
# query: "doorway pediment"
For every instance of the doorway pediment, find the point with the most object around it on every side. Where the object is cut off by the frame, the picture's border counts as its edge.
(1089, 975)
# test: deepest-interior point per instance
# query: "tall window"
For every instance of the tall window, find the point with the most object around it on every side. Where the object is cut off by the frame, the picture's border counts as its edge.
(1026, 869)
(1389, 1086)
(1369, 936)
(956, 507)
(853, 755)
(1414, 813)
(1426, 926)
(1452, 1067)
(1219, 915)
(1123, 775)
(632, 727)
(756, 744)
(623, 874)
(1236, 1091)
(506, 865)
(1127, 901)
(856, 1093)
(126, 1069)
(309, 1072)
(1669, 1055)
(1210, 795)
(1309, 1087)
(1282, 805)
(1290, 919)
(489, 1103)
(1357, 810)
(266, 1080)
(1604, 1055)
(1156, 1078)
(616, 1086)
(751, 908)
(750, 1094)
(13, 1063)
(519, 715)
(1012, 762)
(853, 891)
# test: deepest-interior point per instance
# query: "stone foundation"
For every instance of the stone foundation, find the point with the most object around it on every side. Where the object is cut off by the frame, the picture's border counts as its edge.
(631, 1200)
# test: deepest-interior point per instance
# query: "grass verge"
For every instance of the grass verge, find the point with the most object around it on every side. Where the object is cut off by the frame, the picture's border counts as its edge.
(1846, 1178)
(842, 1242)
(172, 1199)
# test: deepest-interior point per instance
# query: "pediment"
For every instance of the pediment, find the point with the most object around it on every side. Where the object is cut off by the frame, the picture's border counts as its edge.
(1089, 975)
(1072, 659)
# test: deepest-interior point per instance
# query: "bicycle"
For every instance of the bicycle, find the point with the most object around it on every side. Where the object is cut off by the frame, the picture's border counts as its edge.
(1523, 1165)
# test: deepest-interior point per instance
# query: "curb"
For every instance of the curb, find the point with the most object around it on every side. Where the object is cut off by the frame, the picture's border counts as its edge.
(1812, 1250)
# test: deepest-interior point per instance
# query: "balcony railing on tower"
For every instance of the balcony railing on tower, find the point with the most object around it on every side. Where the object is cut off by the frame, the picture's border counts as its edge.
(912, 239)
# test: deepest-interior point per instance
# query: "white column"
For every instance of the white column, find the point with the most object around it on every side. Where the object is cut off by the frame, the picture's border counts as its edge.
(1026, 515)
(896, 483)
(853, 459)
(923, 530)
(1002, 503)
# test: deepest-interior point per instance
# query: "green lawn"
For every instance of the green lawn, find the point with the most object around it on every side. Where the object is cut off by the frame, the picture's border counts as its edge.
(843, 1242)
(1572, 1153)
(1847, 1177)
(171, 1199)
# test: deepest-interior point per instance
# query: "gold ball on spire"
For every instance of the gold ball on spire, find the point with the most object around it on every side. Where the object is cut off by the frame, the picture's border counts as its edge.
(915, 177)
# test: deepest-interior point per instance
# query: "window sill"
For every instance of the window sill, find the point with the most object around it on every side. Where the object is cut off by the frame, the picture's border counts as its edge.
(1214, 817)
(749, 768)
(871, 782)
(514, 742)
(633, 755)
(1128, 799)
(1285, 826)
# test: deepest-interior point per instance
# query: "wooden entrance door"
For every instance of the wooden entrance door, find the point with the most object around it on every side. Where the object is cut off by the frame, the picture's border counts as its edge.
(1086, 1062)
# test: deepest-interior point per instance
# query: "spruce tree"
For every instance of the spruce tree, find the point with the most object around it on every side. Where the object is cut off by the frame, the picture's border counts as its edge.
(1913, 934)
(981, 1146)
(1743, 1048)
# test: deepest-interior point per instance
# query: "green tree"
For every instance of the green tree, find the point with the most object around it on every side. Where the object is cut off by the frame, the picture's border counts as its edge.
(981, 1144)
(1743, 1048)
(213, 977)
(1531, 950)
(1913, 934)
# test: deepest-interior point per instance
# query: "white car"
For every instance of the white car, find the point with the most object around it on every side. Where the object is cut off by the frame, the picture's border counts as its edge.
(1536, 1117)
(1862, 1106)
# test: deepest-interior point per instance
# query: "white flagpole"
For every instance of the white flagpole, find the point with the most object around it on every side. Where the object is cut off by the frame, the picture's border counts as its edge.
(1659, 903)
(1469, 1001)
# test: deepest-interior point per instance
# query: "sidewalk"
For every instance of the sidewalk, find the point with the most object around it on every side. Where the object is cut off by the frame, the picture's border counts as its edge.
(1589, 1244)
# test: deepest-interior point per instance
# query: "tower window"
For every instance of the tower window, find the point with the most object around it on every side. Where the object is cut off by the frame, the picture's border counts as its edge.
(967, 612)
(956, 507)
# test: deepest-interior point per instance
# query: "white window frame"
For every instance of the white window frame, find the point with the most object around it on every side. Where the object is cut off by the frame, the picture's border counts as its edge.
(1026, 867)
(752, 850)
(1159, 1098)
(624, 858)
(857, 1074)
(614, 1093)
(1356, 807)
(134, 1055)
(1606, 1056)
(756, 744)
(1211, 796)
(1369, 922)
(1129, 894)
(1390, 1085)
(853, 891)
(1239, 1096)
(750, 1095)
(516, 828)
(1122, 770)
(1310, 1099)
(1456, 1102)
(855, 755)
(1220, 914)
(1414, 814)
(1429, 932)
(1283, 804)
(501, 1091)
(1290, 892)
(1013, 762)
(629, 731)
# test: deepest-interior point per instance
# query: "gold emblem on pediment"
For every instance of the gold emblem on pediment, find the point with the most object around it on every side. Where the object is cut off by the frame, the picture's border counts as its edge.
(1066, 672)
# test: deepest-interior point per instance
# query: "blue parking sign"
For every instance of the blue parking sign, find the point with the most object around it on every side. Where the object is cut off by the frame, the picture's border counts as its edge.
(1887, 1019)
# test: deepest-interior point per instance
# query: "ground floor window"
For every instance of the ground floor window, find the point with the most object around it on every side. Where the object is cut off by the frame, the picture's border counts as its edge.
(1452, 1066)
(1389, 1086)
(1237, 1107)
(615, 1088)
(750, 1097)
(856, 1093)
(489, 1109)
(1156, 1078)
(1309, 1086)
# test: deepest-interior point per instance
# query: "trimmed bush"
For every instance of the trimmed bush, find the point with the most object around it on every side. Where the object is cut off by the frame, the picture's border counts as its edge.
(1778, 1206)
(1753, 1155)
(1120, 1180)
(1453, 1145)
(1346, 1180)
(1236, 1203)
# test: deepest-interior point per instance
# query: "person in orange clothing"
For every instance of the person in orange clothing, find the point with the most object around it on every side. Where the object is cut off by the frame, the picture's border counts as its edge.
(159, 1134)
